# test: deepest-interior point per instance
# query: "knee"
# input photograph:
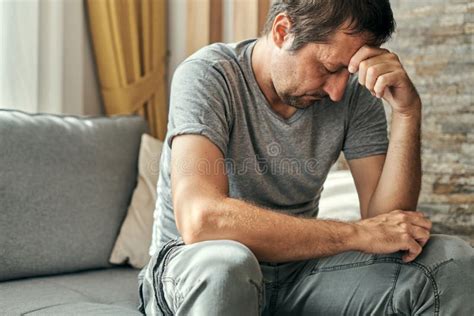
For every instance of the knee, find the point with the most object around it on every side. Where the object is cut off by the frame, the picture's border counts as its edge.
(226, 259)
(442, 275)
(453, 277)
(442, 249)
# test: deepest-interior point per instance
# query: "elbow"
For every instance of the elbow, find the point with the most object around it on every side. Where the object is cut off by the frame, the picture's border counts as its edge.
(192, 220)
(192, 230)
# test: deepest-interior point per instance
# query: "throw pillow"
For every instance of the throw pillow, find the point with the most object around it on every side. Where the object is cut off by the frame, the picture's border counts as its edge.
(135, 234)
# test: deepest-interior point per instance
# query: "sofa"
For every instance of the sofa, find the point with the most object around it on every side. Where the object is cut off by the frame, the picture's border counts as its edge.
(65, 186)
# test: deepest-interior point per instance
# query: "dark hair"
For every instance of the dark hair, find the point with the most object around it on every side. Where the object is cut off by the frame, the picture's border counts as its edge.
(317, 20)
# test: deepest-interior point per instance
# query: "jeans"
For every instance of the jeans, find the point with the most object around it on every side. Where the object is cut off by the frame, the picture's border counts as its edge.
(223, 277)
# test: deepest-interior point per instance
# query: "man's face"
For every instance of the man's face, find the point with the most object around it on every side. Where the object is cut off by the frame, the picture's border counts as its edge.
(315, 71)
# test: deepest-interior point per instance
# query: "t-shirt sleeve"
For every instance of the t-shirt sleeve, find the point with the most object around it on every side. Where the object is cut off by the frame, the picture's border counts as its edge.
(199, 103)
(366, 132)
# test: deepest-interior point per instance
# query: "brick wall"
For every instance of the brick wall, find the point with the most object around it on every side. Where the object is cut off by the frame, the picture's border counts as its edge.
(434, 40)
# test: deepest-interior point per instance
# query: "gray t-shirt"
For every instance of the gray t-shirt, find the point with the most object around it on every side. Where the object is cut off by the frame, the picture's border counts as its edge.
(270, 161)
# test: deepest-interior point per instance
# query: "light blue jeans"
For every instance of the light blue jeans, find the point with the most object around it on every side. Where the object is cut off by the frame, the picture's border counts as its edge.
(223, 277)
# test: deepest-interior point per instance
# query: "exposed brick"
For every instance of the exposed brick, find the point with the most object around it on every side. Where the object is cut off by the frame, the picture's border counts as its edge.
(441, 188)
(453, 127)
(469, 28)
(452, 20)
(457, 8)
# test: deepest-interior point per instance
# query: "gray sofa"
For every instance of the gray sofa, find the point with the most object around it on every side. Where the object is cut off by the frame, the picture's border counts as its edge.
(65, 185)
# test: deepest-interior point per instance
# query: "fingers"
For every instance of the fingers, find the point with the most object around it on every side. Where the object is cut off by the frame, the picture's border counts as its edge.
(366, 67)
(417, 233)
(365, 52)
(422, 242)
(378, 69)
(418, 213)
(386, 80)
(421, 235)
(421, 222)
(420, 230)
(414, 227)
(382, 73)
(414, 218)
(417, 227)
(368, 75)
(376, 77)
(406, 230)
(413, 250)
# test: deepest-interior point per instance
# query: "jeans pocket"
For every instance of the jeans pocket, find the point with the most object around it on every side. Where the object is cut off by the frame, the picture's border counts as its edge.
(171, 295)
(159, 264)
(345, 260)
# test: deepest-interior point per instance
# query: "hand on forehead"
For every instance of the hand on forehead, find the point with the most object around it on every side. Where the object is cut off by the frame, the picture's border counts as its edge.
(364, 53)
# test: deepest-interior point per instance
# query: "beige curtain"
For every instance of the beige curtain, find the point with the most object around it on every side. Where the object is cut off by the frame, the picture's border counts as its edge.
(249, 18)
(205, 21)
(129, 40)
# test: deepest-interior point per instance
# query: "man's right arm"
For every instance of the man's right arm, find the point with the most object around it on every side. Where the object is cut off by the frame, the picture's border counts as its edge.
(204, 211)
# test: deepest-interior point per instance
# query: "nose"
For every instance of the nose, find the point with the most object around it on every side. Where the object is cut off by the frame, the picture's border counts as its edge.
(336, 85)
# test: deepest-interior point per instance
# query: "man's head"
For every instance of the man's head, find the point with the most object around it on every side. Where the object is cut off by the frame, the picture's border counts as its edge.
(314, 41)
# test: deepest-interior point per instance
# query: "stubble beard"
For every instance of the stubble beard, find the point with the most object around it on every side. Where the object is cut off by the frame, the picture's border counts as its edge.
(299, 102)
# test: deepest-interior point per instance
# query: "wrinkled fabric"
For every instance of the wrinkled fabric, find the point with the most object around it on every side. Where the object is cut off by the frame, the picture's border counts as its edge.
(223, 277)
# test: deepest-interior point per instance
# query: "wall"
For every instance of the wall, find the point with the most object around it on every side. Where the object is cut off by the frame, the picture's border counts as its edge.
(435, 43)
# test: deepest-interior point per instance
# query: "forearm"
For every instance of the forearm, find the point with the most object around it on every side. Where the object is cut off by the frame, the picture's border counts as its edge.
(400, 181)
(274, 236)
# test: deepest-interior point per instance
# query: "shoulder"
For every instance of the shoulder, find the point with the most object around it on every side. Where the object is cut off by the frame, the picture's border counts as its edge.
(222, 52)
(214, 59)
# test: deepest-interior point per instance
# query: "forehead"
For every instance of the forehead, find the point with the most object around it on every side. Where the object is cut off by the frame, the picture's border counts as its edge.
(339, 49)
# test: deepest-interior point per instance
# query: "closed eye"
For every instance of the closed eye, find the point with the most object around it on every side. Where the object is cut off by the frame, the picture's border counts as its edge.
(331, 72)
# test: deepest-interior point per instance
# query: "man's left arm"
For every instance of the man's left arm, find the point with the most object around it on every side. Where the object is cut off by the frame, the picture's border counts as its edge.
(392, 181)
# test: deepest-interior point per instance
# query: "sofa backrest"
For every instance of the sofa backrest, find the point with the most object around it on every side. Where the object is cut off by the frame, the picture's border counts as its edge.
(65, 185)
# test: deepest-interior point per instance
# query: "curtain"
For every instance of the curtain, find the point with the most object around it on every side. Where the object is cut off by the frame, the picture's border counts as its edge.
(129, 39)
(210, 21)
(46, 62)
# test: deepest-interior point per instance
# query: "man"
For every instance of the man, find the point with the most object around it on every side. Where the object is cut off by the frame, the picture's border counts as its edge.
(253, 131)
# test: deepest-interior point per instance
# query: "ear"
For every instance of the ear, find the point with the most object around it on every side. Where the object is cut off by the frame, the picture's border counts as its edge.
(280, 29)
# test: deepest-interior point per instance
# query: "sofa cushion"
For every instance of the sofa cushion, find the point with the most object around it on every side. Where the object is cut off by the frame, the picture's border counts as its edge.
(96, 292)
(65, 185)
